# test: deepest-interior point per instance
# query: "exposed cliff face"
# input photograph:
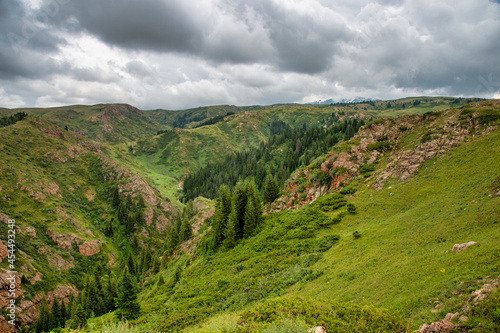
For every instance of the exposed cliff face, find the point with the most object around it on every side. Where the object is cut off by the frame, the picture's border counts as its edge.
(388, 148)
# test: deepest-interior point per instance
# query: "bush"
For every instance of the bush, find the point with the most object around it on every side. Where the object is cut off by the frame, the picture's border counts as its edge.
(330, 202)
(351, 208)
(326, 242)
(367, 168)
(321, 178)
(380, 146)
(302, 196)
(335, 317)
(348, 190)
(356, 234)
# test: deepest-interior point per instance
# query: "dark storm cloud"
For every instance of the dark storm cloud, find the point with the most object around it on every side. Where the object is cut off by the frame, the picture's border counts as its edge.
(424, 45)
(146, 24)
(25, 45)
(304, 42)
(256, 51)
(250, 31)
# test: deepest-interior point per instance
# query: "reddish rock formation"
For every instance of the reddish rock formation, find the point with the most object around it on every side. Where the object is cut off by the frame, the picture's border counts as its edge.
(89, 248)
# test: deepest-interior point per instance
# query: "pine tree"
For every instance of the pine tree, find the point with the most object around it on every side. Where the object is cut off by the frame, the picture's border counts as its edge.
(55, 313)
(240, 202)
(221, 214)
(271, 189)
(172, 241)
(131, 264)
(186, 231)
(42, 324)
(116, 200)
(231, 232)
(253, 209)
(126, 300)
(109, 229)
(62, 314)
(110, 295)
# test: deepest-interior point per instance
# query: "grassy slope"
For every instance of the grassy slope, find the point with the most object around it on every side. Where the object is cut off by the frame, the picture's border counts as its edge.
(30, 165)
(112, 123)
(166, 158)
(37, 155)
(400, 261)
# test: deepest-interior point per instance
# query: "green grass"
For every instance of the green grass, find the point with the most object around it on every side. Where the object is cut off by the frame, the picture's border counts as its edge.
(390, 254)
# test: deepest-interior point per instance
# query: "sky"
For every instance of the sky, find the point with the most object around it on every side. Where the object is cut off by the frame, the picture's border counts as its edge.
(178, 54)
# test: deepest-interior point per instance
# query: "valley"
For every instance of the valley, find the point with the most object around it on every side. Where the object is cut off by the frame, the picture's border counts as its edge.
(372, 198)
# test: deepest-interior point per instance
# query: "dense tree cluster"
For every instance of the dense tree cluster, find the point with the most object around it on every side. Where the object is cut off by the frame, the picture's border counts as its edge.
(236, 216)
(6, 121)
(187, 118)
(98, 297)
(286, 150)
(130, 212)
(182, 229)
(213, 120)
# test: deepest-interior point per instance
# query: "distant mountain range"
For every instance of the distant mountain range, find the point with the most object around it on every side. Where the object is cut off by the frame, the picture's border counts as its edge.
(345, 100)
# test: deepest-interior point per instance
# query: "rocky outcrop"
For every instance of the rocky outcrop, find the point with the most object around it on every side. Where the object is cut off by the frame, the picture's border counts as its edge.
(460, 247)
(4, 252)
(399, 145)
(89, 248)
(64, 241)
(452, 320)
(29, 309)
(55, 259)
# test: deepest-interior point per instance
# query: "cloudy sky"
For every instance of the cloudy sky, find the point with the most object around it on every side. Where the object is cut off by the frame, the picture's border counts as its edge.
(178, 54)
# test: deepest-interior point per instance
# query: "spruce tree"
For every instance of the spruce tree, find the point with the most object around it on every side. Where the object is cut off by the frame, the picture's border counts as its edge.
(253, 209)
(172, 241)
(55, 313)
(186, 231)
(131, 264)
(78, 317)
(271, 189)
(42, 324)
(221, 214)
(240, 202)
(62, 314)
(231, 232)
(126, 300)
(109, 297)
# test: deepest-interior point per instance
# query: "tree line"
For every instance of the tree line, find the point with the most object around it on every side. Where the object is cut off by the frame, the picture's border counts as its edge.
(101, 294)
(12, 119)
(287, 149)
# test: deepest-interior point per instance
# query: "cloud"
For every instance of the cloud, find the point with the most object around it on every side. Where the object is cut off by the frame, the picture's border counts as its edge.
(179, 54)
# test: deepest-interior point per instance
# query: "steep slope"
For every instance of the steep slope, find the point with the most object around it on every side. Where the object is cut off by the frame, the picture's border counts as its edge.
(386, 245)
(113, 123)
(58, 187)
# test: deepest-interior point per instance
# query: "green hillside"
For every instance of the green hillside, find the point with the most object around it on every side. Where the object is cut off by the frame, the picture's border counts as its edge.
(359, 241)
(58, 187)
(372, 248)
(111, 123)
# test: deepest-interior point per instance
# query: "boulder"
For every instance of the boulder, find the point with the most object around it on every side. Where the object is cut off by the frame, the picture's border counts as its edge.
(89, 248)
(460, 247)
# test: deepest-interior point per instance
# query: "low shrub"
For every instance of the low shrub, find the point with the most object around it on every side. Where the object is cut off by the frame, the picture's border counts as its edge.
(379, 146)
(348, 190)
(335, 317)
(351, 208)
(330, 202)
